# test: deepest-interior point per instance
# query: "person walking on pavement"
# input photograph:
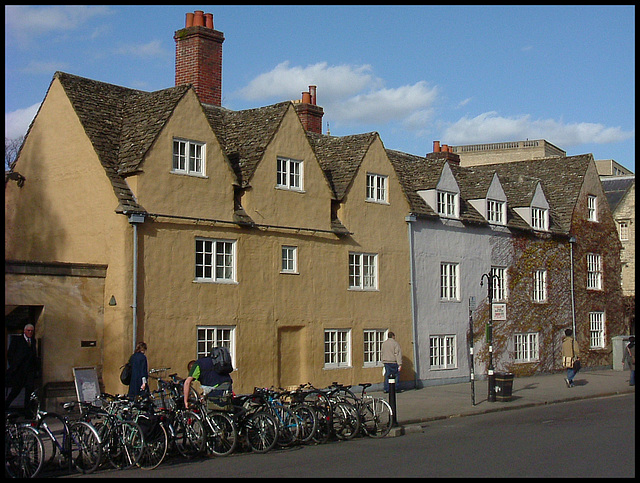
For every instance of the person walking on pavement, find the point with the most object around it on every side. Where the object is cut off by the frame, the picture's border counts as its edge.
(22, 357)
(629, 357)
(570, 356)
(139, 384)
(392, 359)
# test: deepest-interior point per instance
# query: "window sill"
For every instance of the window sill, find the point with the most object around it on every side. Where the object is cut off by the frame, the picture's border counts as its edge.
(190, 175)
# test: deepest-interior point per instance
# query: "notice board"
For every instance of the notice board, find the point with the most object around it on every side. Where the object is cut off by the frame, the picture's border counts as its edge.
(87, 386)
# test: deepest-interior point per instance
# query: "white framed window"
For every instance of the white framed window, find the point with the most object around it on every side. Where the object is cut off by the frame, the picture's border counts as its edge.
(215, 260)
(539, 218)
(540, 285)
(592, 208)
(376, 188)
(442, 351)
(499, 283)
(215, 336)
(289, 259)
(373, 339)
(496, 212)
(289, 174)
(447, 204)
(337, 348)
(623, 229)
(527, 347)
(449, 281)
(188, 157)
(596, 330)
(363, 271)
(594, 271)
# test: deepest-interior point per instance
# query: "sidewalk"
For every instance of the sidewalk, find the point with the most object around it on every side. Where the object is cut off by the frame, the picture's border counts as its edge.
(416, 406)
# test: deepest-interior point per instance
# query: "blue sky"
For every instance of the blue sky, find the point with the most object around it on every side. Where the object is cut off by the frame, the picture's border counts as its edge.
(414, 74)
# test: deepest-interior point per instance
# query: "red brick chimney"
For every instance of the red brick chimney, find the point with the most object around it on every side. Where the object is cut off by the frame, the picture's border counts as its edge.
(199, 57)
(443, 152)
(309, 113)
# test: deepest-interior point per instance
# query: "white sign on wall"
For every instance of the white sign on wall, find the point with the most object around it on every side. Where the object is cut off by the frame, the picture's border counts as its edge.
(499, 312)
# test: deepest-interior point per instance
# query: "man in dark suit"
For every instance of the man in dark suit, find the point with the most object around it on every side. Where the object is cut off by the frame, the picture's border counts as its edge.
(23, 365)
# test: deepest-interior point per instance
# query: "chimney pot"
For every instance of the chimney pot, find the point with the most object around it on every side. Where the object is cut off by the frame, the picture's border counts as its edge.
(445, 148)
(306, 98)
(198, 18)
(436, 146)
(312, 92)
(189, 21)
(208, 20)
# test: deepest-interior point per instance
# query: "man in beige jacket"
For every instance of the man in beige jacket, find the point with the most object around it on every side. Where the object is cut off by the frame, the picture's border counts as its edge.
(392, 360)
(570, 356)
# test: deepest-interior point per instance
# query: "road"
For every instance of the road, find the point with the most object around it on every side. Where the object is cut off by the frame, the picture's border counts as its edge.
(585, 438)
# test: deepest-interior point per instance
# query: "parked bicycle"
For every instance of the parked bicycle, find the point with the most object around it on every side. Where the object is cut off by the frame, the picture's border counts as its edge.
(23, 448)
(74, 444)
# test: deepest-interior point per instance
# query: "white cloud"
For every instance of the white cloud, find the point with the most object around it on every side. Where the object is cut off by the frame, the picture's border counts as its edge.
(31, 21)
(150, 49)
(17, 122)
(349, 93)
(36, 67)
(490, 127)
(288, 82)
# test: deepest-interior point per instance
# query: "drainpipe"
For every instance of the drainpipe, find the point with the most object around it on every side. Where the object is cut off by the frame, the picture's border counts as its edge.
(572, 240)
(410, 219)
(134, 219)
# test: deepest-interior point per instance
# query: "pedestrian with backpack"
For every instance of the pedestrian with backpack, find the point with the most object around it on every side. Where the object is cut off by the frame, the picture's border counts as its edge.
(139, 384)
(213, 373)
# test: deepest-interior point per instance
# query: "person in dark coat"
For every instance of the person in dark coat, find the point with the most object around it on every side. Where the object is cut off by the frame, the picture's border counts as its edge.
(23, 365)
(139, 384)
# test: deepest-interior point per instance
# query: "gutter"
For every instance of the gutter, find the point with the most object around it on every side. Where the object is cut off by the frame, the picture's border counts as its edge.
(134, 220)
(410, 219)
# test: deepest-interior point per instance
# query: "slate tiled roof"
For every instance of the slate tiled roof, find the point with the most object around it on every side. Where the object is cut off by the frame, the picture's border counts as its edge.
(340, 157)
(615, 188)
(561, 178)
(418, 173)
(244, 135)
(121, 124)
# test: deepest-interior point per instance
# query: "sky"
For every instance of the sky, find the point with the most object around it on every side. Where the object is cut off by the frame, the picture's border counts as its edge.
(414, 74)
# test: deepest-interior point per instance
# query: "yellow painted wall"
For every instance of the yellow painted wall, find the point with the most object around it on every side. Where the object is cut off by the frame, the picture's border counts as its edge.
(65, 212)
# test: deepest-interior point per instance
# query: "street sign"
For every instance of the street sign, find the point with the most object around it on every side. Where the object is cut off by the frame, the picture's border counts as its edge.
(499, 312)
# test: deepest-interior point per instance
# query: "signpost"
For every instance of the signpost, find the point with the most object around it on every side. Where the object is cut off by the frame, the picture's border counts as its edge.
(491, 397)
(472, 307)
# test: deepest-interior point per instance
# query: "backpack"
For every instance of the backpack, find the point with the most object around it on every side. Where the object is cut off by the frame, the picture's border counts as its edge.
(221, 360)
(125, 375)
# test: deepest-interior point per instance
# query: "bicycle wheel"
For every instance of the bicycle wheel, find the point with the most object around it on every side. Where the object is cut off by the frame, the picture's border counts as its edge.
(86, 447)
(189, 434)
(156, 442)
(53, 430)
(129, 445)
(324, 426)
(222, 436)
(288, 427)
(346, 421)
(23, 452)
(377, 417)
(262, 432)
(322, 406)
(307, 421)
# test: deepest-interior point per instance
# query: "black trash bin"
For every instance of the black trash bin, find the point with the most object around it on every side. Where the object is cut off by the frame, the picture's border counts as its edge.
(504, 386)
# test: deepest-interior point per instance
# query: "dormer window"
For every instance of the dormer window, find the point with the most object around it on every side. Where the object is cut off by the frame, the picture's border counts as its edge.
(188, 157)
(592, 208)
(289, 174)
(447, 203)
(496, 212)
(376, 188)
(539, 218)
